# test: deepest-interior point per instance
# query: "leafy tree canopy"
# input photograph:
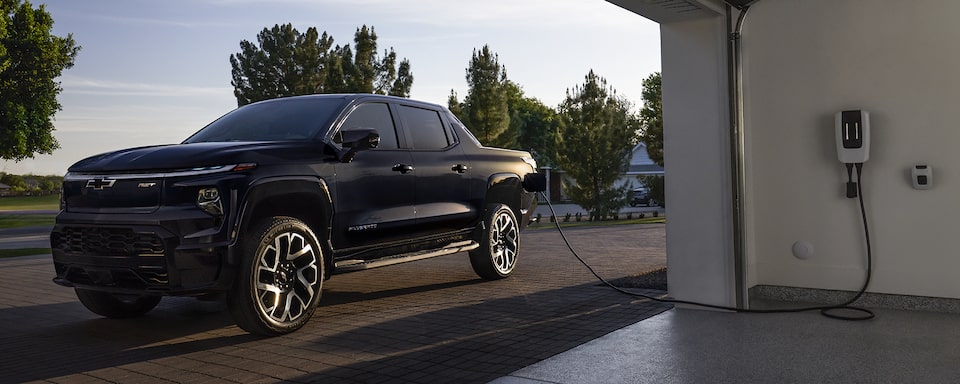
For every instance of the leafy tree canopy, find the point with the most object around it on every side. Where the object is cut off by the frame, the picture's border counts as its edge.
(285, 62)
(31, 58)
(599, 131)
(534, 126)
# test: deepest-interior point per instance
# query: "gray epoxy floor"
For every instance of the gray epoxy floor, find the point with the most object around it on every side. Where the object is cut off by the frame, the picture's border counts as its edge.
(698, 346)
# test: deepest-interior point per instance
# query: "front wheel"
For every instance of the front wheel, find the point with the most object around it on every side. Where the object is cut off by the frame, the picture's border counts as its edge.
(499, 244)
(116, 306)
(281, 279)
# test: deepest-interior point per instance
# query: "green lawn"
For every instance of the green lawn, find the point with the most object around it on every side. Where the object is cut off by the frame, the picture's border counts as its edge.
(18, 221)
(20, 203)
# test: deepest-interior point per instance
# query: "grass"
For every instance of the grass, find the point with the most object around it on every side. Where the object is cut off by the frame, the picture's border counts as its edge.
(19, 221)
(23, 203)
(547, 224)
(24, 252)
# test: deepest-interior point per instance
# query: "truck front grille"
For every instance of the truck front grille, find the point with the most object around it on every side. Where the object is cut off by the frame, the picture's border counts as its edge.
(114, 257)
(107, 241)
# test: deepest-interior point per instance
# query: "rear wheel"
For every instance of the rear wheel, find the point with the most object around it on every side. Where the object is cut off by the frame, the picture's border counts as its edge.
(116, 306)
(499, 244)
(281, 279)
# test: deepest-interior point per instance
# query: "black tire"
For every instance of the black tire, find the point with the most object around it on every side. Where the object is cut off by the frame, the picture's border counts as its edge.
(280, 280)
(499, 244)
(116, 306)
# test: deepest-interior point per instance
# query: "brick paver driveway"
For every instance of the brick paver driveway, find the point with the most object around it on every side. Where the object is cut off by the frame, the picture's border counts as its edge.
(423, 322)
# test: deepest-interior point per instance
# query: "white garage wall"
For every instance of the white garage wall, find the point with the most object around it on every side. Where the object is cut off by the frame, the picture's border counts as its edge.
(803, 62)
(696, 126)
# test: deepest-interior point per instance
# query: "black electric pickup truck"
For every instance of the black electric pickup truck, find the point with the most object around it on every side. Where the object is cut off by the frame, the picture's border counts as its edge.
(271, 199)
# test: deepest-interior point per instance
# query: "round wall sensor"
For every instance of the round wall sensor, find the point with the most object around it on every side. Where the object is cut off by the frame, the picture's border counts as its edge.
(802, 250)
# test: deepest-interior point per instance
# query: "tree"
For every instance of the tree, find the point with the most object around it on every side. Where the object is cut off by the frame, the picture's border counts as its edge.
(651, 118)
(285, 62)
(484, 109)
(364, 71)
(14, 181)
(651, 122)
(533, 125)
(31, 58)
(598, 134)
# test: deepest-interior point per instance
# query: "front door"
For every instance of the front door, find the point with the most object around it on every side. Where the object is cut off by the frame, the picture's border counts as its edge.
(375, 198)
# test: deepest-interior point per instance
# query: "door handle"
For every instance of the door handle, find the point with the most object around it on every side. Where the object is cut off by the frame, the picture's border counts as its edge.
(460, 168)
(403, 168)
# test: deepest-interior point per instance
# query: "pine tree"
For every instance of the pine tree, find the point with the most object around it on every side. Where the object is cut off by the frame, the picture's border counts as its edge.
(484, 109)
(651, 118)
(598, 133)
(285, 62)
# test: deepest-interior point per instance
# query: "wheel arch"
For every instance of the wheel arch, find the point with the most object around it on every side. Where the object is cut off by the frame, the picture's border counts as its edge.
(305, 198)
(504, 188)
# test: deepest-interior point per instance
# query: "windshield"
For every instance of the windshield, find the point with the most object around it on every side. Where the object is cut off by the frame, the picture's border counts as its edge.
(297, 118)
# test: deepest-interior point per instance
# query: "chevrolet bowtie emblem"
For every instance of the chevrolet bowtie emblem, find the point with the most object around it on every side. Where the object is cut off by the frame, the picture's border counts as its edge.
(99, 184)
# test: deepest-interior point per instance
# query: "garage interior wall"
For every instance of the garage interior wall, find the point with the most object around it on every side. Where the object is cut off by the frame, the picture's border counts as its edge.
(803, 62)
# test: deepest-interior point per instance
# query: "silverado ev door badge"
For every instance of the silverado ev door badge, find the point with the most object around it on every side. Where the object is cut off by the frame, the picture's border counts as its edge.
(100, 184)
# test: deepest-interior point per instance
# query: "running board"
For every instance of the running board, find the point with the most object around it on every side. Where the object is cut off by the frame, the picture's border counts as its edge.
(359, 265)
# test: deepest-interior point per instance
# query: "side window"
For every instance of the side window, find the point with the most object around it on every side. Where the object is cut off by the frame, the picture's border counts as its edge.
(425, 127)
(376, 116)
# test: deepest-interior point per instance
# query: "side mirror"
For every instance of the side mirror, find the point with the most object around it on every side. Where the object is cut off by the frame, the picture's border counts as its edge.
(357, 140)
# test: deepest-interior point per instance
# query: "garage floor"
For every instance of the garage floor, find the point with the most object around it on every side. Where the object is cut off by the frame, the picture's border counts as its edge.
(697, 346)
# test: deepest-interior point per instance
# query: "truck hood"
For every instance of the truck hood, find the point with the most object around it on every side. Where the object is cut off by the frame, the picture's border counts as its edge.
(194, 155)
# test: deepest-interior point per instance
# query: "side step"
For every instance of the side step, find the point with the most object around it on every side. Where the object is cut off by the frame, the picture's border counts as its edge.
(344, 266)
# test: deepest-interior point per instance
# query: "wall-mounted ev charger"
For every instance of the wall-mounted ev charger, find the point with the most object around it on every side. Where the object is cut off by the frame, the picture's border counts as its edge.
(853, 143)
(853, 136)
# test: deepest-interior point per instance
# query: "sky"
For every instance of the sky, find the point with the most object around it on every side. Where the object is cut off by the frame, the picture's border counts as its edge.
(154, 72)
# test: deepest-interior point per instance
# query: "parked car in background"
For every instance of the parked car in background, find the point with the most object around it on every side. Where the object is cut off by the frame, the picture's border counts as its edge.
(641, 196)
(273, 198)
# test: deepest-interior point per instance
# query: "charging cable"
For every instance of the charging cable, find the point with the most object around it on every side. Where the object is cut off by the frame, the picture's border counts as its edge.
(831, 311)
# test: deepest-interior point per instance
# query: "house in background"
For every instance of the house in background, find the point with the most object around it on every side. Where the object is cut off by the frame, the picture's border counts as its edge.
(640, 165)
(756, 186)
(4, 190)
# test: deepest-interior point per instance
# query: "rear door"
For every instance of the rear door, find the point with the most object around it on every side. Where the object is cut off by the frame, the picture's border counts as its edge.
(375, 199)
(441, 195)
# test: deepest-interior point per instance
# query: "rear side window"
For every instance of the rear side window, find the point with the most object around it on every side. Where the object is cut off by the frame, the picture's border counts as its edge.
(425, 128)
(376, 116)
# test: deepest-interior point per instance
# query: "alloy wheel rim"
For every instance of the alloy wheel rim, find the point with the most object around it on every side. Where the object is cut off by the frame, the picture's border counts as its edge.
(504, 243)
(285, 276)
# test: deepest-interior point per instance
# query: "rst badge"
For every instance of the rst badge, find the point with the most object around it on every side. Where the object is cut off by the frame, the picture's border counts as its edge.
(99, 184)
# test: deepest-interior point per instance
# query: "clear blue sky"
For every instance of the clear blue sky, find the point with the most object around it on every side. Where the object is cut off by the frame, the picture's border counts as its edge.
(153, 72)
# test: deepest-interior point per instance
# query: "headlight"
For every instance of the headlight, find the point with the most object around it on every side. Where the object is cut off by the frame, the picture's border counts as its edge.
(208, 199)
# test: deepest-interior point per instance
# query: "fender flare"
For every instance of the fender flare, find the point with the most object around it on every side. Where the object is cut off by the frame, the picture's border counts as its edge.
(273, 187)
